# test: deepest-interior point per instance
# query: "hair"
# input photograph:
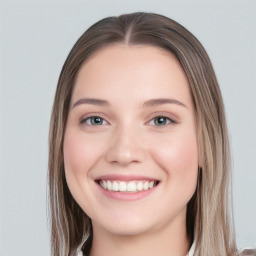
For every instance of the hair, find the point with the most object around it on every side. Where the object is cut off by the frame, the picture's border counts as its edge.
(209, 212)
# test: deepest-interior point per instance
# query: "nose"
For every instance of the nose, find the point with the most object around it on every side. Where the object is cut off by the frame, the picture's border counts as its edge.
(126, 147)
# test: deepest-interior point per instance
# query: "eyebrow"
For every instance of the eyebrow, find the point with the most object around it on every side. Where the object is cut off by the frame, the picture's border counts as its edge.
(91, 101)
(146, 104)
(157, 102)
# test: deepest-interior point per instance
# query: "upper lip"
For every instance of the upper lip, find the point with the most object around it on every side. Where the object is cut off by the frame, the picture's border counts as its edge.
(124, 177)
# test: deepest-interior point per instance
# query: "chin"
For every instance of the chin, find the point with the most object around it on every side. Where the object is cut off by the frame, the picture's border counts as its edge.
(131, 227)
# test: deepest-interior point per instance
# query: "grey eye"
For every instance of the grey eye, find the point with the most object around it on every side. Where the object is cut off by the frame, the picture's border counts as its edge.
(94, 120)
(160, 121)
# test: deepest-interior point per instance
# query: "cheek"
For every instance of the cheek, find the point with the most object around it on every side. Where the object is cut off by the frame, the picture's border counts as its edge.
(73, 165)
(80, 153)
(74, 153)
(178, 156)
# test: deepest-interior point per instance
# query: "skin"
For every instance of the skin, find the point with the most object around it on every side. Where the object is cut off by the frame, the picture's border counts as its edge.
(129, 141)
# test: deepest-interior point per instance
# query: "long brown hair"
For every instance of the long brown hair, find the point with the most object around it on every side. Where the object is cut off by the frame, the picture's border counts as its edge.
(208, 215)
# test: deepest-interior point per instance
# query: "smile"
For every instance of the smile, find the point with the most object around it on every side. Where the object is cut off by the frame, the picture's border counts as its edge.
(127, 187)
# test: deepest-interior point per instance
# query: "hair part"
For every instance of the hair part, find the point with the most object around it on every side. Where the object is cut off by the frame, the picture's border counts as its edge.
(209, 222)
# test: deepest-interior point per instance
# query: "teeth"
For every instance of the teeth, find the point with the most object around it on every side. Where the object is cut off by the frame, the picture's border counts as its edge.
(140, 186)
(115, 186)
(109, 185)
(132, 186)
(122, 187)
(145, 185)
(103, 184)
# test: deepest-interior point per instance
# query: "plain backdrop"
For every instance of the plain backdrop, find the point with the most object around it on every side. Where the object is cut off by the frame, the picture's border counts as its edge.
(35, 38)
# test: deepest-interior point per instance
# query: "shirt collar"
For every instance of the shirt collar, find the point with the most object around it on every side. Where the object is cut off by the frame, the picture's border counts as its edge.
(192, 250)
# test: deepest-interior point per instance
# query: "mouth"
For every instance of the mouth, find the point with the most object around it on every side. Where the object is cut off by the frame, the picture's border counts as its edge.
(134, 186)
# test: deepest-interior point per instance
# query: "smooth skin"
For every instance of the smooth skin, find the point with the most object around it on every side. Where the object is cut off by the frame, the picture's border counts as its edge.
(127, 134)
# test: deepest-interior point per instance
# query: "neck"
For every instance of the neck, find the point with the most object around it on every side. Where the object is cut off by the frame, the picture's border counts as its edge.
(168, 240)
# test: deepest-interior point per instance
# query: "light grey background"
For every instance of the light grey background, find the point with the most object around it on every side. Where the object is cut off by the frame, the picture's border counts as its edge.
(35, 38)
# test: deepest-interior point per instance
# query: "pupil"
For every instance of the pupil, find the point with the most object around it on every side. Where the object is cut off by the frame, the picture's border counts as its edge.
(97, 120)
(160, 120)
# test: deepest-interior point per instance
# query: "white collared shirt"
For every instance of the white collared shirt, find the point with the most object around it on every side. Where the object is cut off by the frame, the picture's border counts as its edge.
(192, 250)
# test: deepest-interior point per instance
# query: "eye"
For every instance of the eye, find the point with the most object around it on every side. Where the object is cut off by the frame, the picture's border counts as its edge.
(161, 121)
(93, 120)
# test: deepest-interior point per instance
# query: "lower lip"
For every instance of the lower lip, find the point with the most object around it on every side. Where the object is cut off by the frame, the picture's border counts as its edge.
(128, 196)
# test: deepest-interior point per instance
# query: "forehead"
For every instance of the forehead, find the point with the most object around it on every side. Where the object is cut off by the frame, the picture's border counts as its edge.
(129, 55)
(133, 70)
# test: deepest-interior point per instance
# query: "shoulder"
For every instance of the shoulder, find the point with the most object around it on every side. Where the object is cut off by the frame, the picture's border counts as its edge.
(248, 252)
(79, 253)
(245, 252)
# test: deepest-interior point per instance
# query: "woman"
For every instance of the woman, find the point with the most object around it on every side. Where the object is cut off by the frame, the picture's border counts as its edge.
(139, 151)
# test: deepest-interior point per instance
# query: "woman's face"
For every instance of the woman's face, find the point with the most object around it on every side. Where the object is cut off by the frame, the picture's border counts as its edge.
(130, 147)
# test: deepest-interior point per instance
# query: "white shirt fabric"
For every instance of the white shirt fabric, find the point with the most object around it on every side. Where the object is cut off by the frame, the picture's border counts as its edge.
(192, 249)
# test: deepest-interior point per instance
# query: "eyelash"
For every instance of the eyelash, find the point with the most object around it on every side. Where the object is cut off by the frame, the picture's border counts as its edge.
(166, 118)
(83, 120)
